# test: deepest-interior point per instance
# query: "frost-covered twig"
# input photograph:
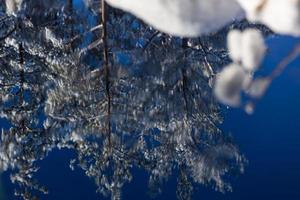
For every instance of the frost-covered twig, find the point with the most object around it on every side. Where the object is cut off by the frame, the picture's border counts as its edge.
(259, 86)
(83, 34)
(285, 62)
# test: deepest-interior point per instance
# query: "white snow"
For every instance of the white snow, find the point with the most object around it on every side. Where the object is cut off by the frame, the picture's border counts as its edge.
(192, 18)
(75, 137)
(253, 49)
(50, 36)
(282, 16)
(189, 18)
(247, 48)
(234, 39)
(12, 6)
(229, 84)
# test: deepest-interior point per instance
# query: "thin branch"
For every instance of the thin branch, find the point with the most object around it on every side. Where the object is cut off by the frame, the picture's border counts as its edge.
(294, 54)
(22, 80)
(106, 67)
(7, 85)
(91, 46)
(285, 62)
(210, 68)
(8, 34)
(185, 79)
(83, 34)
(150, 40)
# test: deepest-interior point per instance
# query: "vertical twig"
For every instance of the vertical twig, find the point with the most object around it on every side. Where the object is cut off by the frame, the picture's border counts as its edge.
(22, 80)
(184, 77)
(185, 90)
(208, 65)
(106, 67)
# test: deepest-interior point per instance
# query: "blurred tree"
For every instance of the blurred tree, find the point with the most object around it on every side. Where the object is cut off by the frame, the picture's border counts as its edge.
(121, 99)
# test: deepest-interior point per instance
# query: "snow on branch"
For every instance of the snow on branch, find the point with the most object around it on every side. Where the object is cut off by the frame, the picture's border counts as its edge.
(182, 17)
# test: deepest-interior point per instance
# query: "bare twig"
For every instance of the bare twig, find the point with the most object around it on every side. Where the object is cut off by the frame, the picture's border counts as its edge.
(91, 46)
(83, 34)
(295, 53)
(150, 40)
(285, 62)
(106, 67)
(8, 33)
(22, 80)
(185, 79)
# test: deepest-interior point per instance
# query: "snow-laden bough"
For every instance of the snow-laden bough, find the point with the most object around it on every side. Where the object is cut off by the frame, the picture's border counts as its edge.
(282, 16)
(229, 84)
(247, 48)
(253, 49)
(12, 6)
(187, 18)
